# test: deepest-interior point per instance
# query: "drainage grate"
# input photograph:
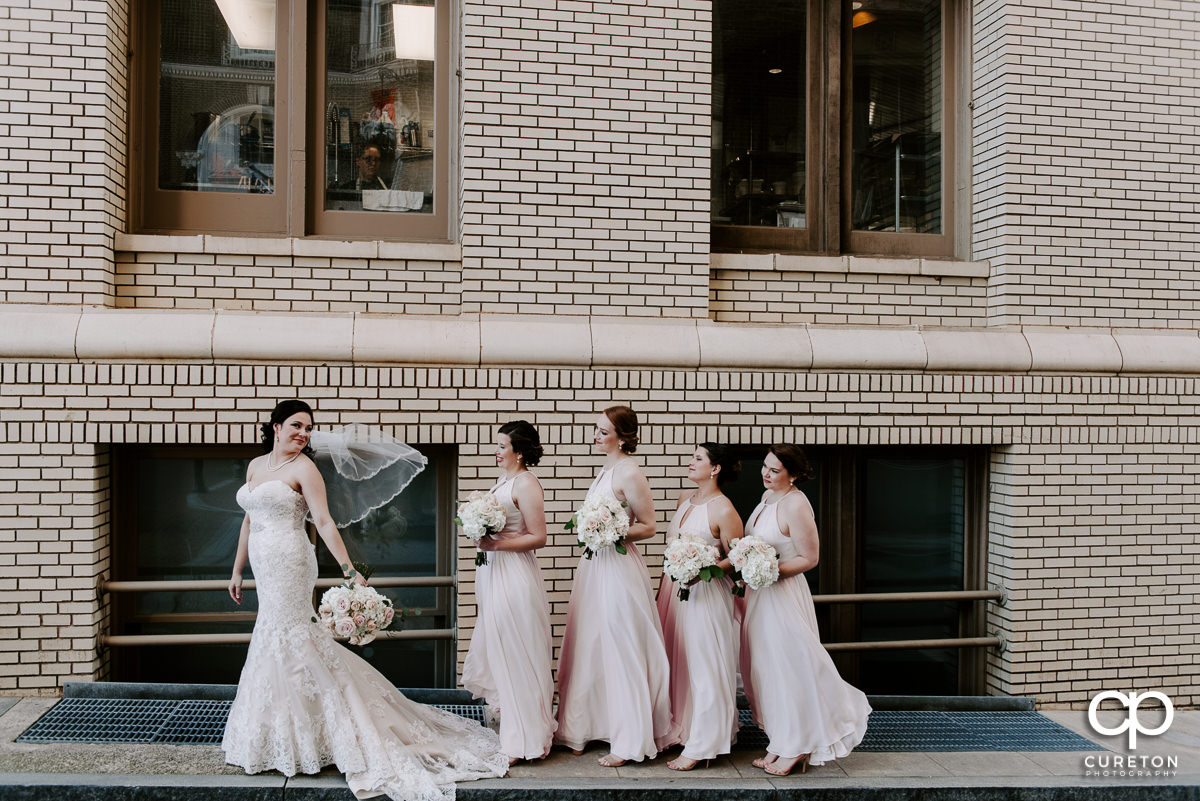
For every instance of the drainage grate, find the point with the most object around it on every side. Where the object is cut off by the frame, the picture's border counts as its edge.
(191, 722)
(146, 720)
(950, 731)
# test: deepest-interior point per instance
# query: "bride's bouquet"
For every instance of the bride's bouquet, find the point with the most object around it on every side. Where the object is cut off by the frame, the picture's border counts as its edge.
(355, 612)
(687, 560)
(480, 515)
(600, 523)
(756, 562)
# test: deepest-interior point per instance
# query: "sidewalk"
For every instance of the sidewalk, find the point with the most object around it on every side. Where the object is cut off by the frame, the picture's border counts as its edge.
(70, 771)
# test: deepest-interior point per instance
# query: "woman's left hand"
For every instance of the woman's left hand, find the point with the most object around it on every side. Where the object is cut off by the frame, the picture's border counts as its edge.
(488, 544)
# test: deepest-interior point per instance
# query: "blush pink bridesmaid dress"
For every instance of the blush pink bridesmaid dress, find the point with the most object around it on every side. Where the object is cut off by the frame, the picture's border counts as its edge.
(613, 674)
(510, 655)
(702, 645)
(798, 697)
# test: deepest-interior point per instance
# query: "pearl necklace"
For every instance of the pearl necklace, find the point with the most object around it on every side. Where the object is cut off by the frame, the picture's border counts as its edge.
(279, 466)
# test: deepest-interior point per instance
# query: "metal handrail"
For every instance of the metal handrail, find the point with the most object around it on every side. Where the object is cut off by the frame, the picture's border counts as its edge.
(900, 645)
(211, 639)
(940, 595)
(185, 585)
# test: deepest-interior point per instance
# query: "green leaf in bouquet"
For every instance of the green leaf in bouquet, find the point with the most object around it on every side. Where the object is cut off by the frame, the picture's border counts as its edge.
(458, 521)
(571, 525)
(620, 547)
(684, 592)
(364, 569)
(314, 620)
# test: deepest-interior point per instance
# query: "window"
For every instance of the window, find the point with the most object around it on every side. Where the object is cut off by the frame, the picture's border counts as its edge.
(266, 117)
(177, 519)
(895, 519)
(833, 126)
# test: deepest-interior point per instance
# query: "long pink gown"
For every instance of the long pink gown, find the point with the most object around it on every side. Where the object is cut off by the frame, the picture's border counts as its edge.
(613, 674)
(509, 660)
(798, 697)
(702, 644)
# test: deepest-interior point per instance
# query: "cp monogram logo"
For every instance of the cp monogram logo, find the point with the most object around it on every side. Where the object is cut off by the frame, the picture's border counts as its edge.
(1131, 701)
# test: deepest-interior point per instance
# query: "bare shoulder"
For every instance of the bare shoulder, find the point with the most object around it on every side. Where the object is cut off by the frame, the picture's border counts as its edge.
(527, 482)
(795, 502)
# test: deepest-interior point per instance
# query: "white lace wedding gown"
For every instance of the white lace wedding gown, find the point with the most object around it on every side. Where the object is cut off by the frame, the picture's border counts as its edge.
(304, 701)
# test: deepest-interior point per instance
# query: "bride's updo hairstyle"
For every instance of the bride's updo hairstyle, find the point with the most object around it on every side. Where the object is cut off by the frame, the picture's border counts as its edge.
(524, 440)
(282, 412)
(625, 423)
(720, 456)
(794, 461)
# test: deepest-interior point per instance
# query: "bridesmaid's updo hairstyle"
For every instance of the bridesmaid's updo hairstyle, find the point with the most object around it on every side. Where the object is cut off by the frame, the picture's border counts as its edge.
(281, 413)
(524, 440)
(794, 461)
(720, 456)
(624, 422)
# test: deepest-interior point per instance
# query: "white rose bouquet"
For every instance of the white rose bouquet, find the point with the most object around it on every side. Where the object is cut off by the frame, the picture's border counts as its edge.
(756, 563)
(600, 523)
(355, 612)
(687, 560)
(480, 515)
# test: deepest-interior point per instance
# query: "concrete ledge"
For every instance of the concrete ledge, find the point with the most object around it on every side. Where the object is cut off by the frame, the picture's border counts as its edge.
(106, 787)
(240, 336)
(848, 265)
(95, 334)
(46, 332)
(524, 340)
(961, 350)
(417, 340)
(754, 347)
(287, 246)
(867, 348)
(140, 335)
(634, 342)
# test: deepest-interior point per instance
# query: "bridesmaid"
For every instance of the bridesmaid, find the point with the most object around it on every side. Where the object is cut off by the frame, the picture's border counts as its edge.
(509, 660)
(701, 634)
(613, 672)
(810, 715)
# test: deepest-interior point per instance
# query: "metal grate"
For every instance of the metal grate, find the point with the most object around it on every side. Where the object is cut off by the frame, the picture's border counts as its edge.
(145, 720)
(950, 731)
(191, 722)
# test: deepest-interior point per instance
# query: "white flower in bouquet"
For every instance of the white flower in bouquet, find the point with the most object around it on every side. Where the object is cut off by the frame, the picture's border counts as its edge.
(687, 560)
(600, 523)
(480, 515)
(755, 560)
(355, 612)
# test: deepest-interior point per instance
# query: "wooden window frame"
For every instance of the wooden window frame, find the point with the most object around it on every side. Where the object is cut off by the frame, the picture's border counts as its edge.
(829, 141)
(297, 206)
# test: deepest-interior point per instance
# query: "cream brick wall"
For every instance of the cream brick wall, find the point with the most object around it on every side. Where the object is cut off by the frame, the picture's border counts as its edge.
(738, 296)
(63, 108)
(1085, 162)
(585, 156)
(54, 537)
(1093, 496)
(146, 280)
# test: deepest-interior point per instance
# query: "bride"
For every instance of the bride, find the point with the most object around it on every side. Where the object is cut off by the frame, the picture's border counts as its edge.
(303, 701)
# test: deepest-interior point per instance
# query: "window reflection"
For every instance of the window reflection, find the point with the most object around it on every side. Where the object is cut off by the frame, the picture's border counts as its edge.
(380, 111)
(897, 128)
(217, 96)
(759, 122)
(180, 520)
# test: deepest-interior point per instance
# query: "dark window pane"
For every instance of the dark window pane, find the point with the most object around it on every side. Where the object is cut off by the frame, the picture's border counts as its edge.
(913, 540)
(758, 105)
(216, 127)
(186, 521)
(380, 105)
(897, 122)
